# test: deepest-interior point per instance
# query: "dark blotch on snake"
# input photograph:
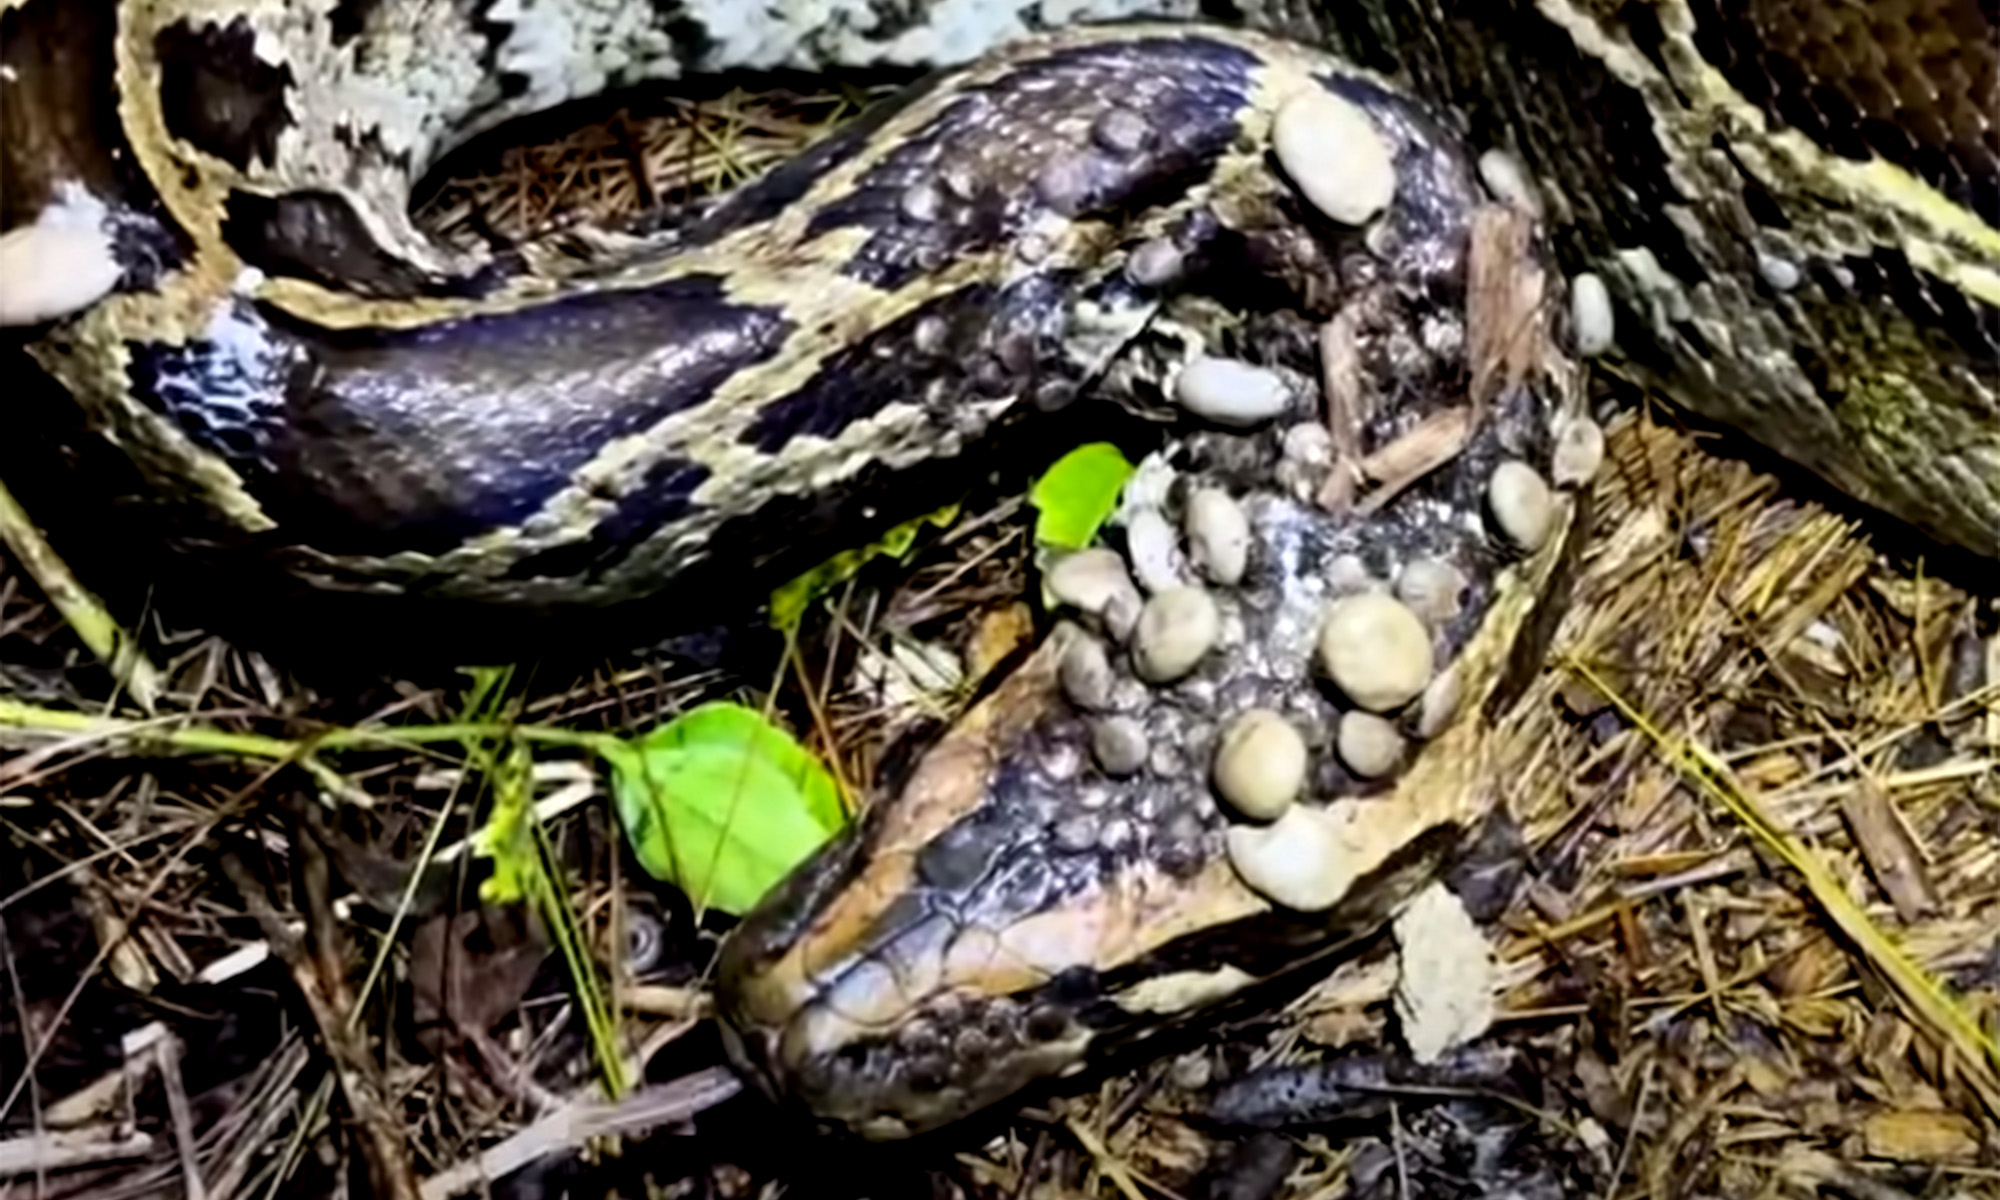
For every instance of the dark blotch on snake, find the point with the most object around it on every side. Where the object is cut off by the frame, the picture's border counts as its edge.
(318, 236)
(424, 438)
(1008, 124)
(218, 95)
(886, 367)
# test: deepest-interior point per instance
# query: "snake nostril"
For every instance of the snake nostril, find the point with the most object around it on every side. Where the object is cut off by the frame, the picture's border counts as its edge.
(928, 1074)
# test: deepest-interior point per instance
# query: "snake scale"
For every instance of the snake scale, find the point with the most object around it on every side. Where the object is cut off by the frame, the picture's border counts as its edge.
(1793, 207)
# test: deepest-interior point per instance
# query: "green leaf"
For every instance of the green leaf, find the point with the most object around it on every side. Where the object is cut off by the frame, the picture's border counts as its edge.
(1074, 497)
(788, 603)
(507, 838)
(722, 804)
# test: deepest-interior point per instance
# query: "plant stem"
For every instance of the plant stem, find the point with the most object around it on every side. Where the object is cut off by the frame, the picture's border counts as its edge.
(171, 734)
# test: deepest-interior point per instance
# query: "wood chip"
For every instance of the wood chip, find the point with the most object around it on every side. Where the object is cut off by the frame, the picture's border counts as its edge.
(1503, 323)
(61, 1149)
(1893, 856)
(1433, 442)
(1921, 1135)
(1347, 407)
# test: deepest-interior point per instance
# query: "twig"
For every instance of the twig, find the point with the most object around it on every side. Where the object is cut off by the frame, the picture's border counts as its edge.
(382, 1139)
(582, 1120)
(67, 1148)
(85, 613)
(167, 1054)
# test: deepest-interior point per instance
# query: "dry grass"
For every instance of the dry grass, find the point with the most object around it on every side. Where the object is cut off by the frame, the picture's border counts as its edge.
(645, 157)
(196, 1011)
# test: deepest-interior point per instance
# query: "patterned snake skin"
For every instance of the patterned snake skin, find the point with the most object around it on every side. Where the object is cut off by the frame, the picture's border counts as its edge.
(1792, 208)
(1796, 207)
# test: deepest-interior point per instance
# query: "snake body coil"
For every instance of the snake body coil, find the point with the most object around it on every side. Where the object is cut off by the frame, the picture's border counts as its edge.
(501, 434)
(1817, 263)
(1087, 212)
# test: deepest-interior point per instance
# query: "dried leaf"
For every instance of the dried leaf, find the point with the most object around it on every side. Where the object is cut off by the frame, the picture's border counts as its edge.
(1433, 442)
(1921, 1135)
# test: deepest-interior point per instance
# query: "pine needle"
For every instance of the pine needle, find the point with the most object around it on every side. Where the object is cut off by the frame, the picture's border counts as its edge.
(1934, 1004)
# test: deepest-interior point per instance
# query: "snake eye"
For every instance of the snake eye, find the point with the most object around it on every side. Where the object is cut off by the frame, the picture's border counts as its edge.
(1046, 1023)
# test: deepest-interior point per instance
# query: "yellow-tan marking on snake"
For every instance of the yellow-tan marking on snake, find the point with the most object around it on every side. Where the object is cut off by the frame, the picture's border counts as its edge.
(1071, 217)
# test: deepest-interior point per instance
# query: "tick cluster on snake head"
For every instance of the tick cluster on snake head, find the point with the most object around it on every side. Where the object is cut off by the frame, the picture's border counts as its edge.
(1253, 648)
